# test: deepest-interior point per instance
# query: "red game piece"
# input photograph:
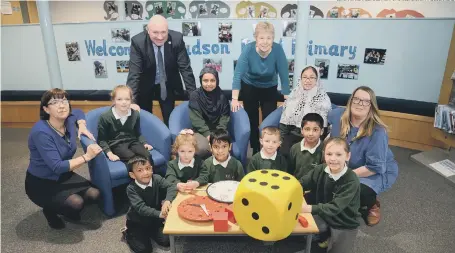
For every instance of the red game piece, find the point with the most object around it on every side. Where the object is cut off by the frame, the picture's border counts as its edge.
(230, 211)
(303, 221)
(220, 221)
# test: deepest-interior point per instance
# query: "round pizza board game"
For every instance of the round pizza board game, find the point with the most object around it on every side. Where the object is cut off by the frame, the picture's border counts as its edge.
(190, 209)
(223, 191)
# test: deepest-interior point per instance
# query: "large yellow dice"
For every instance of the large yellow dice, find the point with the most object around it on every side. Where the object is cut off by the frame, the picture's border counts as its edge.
(267, 204)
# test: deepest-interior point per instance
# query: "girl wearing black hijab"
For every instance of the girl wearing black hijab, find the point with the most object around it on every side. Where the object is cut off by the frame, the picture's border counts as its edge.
(209, 110)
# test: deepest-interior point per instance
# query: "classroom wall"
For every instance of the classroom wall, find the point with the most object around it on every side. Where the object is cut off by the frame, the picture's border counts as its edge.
(413, 67)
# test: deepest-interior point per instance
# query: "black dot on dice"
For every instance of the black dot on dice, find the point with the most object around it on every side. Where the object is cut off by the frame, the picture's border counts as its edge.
(296, 216)
(275, 174)
(265, 230)
(264, 171)
(290, 205)
(263, 183)
(286, 178)
(245, 202)
(275, 187)
(255, 216)
(252, 180)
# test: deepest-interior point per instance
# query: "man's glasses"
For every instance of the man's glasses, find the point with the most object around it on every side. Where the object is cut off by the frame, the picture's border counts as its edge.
(359, 101)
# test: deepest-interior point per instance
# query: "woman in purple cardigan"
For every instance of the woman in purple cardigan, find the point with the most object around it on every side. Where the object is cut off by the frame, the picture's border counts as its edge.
(50, 181)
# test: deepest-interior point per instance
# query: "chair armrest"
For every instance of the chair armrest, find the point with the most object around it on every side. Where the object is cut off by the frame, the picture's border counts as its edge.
(179, 119)
(156, 133)
(272, 120)
(98, 167)
(239, 128)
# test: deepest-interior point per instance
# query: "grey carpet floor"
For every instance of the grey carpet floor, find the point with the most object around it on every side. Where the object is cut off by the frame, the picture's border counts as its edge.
(418, 216)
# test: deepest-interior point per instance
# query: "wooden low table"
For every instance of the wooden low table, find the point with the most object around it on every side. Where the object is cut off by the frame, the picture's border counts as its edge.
(176, 226)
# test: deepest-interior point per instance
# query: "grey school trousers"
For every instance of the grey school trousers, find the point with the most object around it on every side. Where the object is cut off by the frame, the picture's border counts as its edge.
(341, 240)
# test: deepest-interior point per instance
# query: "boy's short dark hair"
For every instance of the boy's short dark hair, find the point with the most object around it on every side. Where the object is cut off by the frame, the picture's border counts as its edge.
(313, 117)
(220, 135)
(137, 160)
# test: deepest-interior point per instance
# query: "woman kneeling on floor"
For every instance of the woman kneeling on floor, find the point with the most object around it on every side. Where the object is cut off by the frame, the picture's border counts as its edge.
(372, 160)
(50, 181)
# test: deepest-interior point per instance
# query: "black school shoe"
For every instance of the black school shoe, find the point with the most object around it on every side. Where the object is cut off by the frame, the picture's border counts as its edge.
(53, 220)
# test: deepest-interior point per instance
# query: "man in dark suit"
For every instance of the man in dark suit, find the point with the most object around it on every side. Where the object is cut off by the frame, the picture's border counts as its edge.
(156, 76)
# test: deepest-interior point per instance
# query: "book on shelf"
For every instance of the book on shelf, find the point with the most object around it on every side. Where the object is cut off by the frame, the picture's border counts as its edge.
(444, 118)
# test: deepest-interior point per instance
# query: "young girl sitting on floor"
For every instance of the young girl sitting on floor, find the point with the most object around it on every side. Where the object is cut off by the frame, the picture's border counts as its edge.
(119, 128)
(186, 166)
(336, 192)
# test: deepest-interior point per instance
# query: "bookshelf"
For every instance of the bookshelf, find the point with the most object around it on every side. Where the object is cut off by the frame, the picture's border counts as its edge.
(447, 94)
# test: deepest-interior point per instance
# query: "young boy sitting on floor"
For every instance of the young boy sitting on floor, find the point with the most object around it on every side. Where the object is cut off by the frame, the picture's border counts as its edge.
(150, 197)
(268, 157)
(221, 165)
(305, 155)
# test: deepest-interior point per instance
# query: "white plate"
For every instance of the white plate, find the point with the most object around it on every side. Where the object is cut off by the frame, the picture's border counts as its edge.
(223, 191)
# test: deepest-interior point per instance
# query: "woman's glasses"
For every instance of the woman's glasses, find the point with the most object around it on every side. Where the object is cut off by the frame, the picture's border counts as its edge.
(359, 101)
(58, 102)
(312, 78)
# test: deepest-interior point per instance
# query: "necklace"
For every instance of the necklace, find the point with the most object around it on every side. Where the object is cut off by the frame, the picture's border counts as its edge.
(59, 132)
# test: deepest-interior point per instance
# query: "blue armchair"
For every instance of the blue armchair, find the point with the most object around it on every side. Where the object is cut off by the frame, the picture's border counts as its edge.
(106, 174)
(273, 120)
(239, 128)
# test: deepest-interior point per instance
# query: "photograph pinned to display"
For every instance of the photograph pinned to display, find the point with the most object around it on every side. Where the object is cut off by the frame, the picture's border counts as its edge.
(355, 13)
(111, 10)
(251, 11)
(225, 32)
(214, 9)
(170, 8)
(144, 27)
(99, 66)
(323, 65)
(191, 29)
(315, 12)
(333, 13)
(123, 66)
(72, 51)
(120, 35)
(264, 12)
(291, 66)
(203, 9)
(374, 56)
(209, 9)
(289, 11)
(289, 29)
(214, 63)
(158, 7)
(133, 10)
(235, 64)
(254, 28)
(348, 71)
(291, 81)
